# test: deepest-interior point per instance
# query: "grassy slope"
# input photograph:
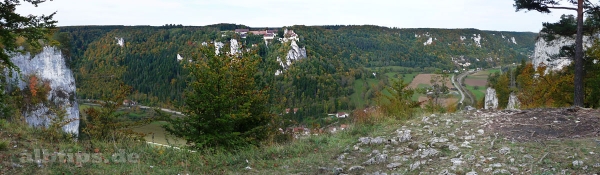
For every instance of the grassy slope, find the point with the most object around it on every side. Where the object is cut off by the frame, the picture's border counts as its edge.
(298, 156)
(477, 151)
(480, 93)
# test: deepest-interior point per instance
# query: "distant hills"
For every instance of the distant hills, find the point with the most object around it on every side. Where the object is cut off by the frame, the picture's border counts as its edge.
(318, 84)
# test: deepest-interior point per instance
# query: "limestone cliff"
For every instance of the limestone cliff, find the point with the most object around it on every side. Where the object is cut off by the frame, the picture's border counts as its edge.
(546, 53)
(49, 66)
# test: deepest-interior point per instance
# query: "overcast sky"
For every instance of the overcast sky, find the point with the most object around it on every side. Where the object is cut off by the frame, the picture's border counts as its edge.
(481, 14)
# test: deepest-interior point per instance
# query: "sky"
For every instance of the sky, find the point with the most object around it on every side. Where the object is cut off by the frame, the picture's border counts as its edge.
(496, 15)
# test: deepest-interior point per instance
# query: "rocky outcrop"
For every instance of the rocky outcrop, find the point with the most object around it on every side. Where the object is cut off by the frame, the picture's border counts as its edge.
(49, 66)
(179, 57)
(491, 100)
(120, 41)
(218, 46)
(234, 47)
(513, 102)
(546, 53)
(294, 54)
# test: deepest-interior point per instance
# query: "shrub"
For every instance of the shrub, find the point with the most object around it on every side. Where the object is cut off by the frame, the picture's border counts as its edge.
(399, 103)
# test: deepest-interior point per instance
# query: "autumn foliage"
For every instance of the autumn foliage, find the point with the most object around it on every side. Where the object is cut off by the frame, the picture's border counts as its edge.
(535, 87)
(32, 85)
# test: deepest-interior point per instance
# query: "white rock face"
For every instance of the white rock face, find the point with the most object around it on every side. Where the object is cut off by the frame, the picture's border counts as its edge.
(179, 57)
(294, 54)
(513, 40)
(491, 100)
(234, 47)
(477, 39)
(120, 41)
(49, 65)
(545, 52)
(278, 72)
(513, 102)
(428, 42)
(218, 46)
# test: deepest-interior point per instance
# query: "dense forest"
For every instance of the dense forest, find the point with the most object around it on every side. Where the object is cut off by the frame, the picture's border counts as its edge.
(338, 57)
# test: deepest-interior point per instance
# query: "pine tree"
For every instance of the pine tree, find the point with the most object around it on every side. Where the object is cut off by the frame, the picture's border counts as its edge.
(224, 108)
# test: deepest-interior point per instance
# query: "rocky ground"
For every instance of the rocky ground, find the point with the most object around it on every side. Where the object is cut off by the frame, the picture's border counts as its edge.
(539, 141)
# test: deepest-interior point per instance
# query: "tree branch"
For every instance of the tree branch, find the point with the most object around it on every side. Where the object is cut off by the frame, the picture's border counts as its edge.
(565, 8)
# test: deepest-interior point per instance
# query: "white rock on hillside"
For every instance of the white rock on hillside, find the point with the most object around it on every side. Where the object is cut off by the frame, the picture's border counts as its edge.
(179, 57)
(294, 54)
(513, 102)
(120, 41)
(218, 46)
(477, 39)
(234, 47)
(491, 100)
(428, 42)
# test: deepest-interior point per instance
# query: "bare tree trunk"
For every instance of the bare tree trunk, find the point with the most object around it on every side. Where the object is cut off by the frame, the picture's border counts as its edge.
(579, 93)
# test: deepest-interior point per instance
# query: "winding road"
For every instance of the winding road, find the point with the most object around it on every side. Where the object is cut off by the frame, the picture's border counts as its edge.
(87, 102)
(461, 89)
(462, 95)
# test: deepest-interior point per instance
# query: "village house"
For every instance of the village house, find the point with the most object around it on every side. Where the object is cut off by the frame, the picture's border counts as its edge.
(267, 34)
(129, 103)
(288, 110)
(341, 115)
(242, 32)
(289, 35)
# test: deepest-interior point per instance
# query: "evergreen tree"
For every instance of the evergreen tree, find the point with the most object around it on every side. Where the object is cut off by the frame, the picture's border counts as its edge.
(224, 108)
(399, 103)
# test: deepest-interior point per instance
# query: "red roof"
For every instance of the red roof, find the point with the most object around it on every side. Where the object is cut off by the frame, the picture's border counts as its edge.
(242, 30)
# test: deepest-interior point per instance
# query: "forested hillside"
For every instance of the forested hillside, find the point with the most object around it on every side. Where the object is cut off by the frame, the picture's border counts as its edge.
(338, 58)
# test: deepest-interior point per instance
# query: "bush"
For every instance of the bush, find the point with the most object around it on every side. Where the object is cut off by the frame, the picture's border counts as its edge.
(399, 104)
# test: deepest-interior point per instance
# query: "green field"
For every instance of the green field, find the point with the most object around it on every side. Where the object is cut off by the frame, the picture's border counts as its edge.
(479, 94)
(482, 74)
(407, 77)
(155, 133)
